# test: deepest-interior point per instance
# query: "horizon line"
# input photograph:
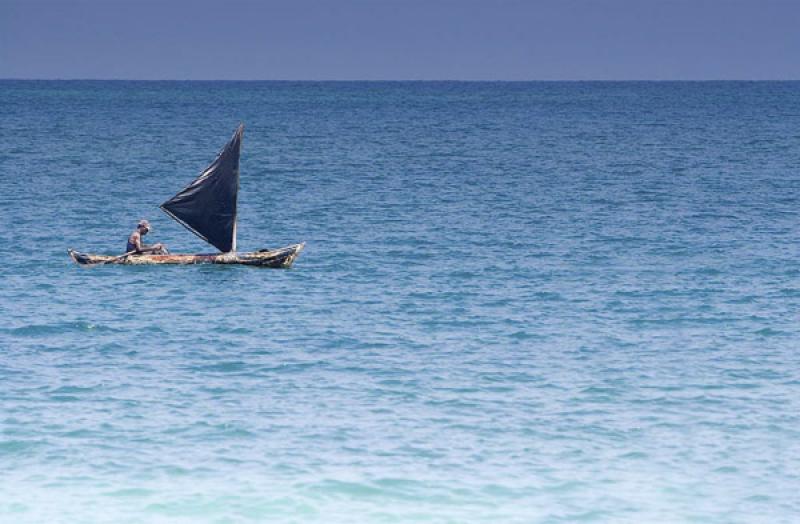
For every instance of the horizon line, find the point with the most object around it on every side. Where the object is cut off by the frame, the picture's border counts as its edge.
(352, 80)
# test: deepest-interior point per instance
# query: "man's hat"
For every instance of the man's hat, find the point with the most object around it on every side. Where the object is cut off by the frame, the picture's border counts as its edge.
(144, 223)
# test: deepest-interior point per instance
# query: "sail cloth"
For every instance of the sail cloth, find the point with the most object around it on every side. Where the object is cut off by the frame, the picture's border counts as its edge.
(207, 206)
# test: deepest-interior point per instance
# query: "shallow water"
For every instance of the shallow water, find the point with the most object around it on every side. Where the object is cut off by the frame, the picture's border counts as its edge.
(519, 302)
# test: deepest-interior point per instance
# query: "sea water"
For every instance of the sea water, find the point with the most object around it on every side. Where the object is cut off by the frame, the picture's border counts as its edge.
(518, 303)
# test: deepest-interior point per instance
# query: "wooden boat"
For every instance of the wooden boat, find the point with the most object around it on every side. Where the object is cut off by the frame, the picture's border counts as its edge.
(207, 208)
(276, 258)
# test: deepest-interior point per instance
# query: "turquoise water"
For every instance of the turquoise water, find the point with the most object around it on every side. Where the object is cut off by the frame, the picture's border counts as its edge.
(533, 302)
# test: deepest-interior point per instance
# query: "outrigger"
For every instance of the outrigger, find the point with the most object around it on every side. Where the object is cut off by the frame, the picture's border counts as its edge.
(207, 208)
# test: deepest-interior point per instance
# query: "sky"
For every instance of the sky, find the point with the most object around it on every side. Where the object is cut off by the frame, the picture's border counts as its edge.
(400, 40)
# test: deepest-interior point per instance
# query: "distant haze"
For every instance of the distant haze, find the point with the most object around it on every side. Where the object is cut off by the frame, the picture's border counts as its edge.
(406, 40)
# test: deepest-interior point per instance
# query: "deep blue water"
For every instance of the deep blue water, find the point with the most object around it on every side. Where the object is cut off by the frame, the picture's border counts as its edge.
(519, 302)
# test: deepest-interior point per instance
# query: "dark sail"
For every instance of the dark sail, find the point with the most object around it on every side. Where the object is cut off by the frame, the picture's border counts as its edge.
(207, 206)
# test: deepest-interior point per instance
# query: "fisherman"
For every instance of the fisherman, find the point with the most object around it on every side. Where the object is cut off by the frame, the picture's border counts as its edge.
(135, 245)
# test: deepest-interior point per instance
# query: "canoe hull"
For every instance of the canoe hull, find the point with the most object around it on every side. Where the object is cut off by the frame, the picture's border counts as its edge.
(275, 258)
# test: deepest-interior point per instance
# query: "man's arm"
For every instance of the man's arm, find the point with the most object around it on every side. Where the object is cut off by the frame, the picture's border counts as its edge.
(142, 248)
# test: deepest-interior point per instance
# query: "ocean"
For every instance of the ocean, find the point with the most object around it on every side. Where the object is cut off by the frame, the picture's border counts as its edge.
(518, 303)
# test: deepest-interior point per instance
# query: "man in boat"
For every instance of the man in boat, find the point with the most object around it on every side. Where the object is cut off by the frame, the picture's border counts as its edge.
(135, 241)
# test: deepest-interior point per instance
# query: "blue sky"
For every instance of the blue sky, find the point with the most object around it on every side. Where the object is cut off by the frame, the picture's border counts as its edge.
(413, 39)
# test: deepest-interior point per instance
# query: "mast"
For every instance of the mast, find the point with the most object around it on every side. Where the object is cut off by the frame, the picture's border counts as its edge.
(233, 249)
